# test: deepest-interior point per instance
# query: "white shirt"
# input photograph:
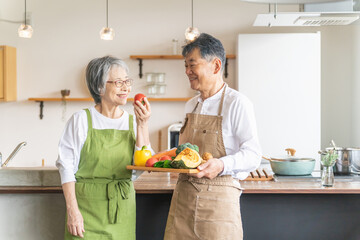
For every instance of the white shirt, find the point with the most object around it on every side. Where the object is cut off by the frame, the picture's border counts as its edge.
(75, 134)
(243, 152)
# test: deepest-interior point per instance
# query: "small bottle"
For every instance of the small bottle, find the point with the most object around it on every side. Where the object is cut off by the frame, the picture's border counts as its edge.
(175, 46)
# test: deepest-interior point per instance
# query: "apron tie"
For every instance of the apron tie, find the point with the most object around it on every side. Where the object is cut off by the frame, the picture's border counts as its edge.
(117, 190)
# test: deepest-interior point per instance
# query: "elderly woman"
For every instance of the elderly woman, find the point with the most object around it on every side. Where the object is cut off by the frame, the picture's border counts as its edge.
(94, 150)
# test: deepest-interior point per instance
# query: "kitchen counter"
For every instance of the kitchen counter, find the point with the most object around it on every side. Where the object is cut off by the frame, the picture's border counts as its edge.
(155, 182)
(165, 183)
(288, 209)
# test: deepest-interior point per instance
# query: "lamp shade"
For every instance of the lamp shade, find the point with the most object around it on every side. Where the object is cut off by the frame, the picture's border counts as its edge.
(25, 31)
(191, 33)
(107, 33)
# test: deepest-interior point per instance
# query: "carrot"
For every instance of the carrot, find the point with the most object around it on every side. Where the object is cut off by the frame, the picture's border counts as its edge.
(170, 153)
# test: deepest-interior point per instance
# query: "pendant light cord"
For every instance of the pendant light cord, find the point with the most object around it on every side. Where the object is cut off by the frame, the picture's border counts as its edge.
(192, 13)
(25, 12)
(107, 13)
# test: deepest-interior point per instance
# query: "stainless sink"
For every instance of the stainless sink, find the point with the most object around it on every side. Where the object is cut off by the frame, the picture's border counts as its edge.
(29, 176)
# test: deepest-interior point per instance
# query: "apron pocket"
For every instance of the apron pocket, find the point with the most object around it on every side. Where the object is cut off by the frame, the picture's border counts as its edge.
(206, 139)
(217, 217)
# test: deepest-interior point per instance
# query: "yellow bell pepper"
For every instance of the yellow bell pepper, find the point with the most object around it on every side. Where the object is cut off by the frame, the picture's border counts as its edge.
(141, 156)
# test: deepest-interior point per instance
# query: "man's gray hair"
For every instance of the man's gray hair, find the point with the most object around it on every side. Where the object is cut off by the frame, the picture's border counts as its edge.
(97, 73)
(209, 47)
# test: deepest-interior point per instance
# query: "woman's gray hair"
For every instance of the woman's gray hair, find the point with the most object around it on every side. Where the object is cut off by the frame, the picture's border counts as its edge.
(209, 47)
(97, 73)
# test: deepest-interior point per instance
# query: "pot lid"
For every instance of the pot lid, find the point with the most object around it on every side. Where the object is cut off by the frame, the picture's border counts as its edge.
(290, 157)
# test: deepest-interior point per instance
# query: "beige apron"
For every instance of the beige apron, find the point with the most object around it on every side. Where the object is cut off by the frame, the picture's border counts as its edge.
(202, 208)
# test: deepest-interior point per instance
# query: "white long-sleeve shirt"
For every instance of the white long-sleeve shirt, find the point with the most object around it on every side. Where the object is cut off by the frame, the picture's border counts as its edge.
(243, 151)
(75, 134)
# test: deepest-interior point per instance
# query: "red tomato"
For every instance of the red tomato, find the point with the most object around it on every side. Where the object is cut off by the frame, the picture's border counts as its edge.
(140, 97)
(150, 162)
(165, 157)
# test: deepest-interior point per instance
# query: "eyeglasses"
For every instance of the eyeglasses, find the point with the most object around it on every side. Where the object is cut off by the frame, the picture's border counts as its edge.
(120, 83)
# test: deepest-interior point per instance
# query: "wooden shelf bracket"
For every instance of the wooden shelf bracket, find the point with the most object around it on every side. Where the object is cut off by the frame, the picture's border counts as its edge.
(140, 67)
(41, 109)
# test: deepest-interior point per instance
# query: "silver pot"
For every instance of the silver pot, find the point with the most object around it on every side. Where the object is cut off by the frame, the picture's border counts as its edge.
(348, 161)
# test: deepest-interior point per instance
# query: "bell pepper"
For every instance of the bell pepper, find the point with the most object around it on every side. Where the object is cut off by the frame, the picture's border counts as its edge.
(141, 156)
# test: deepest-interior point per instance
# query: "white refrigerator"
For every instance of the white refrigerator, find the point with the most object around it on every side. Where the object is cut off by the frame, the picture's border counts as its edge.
(281, 74)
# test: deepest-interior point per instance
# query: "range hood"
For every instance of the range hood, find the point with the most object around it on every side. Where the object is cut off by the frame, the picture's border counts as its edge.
(313, 14)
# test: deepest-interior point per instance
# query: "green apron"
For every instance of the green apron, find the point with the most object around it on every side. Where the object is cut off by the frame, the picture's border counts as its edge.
(104, 190)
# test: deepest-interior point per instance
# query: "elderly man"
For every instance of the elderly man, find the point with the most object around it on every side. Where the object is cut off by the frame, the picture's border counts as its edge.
(221, 121)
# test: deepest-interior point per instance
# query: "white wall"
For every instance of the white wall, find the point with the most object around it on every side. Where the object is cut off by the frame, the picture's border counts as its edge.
(66, 38)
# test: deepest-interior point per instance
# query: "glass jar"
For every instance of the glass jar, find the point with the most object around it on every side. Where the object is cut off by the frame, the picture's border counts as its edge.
(327, 176)
(328, 160)
(160, 78)
(149, 77)
(156, 89)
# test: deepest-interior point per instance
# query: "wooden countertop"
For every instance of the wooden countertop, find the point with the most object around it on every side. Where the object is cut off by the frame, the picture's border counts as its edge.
(157, 182)
(165, 183)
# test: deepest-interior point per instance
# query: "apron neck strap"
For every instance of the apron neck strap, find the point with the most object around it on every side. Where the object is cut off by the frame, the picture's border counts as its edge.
(88, 118)
(221, 102)
(193, 111)
(131, 122)
(131, 125)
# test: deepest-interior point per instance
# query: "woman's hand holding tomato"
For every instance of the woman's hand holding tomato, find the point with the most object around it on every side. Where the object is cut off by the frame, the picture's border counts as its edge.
(140, 97)
(142, 109)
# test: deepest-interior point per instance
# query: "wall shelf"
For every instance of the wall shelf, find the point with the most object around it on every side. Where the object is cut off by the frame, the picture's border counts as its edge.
(42, 100)
(61, 99)
(140, 58)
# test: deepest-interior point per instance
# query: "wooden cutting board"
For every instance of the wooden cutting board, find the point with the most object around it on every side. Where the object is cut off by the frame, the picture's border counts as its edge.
(257, 175)
(154, 169)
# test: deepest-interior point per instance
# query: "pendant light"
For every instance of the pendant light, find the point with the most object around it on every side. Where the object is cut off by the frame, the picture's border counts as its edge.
(25, 31)
(107, 33)
(191, 33)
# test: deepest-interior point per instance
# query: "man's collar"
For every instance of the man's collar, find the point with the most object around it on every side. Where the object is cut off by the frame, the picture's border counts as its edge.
(214, 97)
